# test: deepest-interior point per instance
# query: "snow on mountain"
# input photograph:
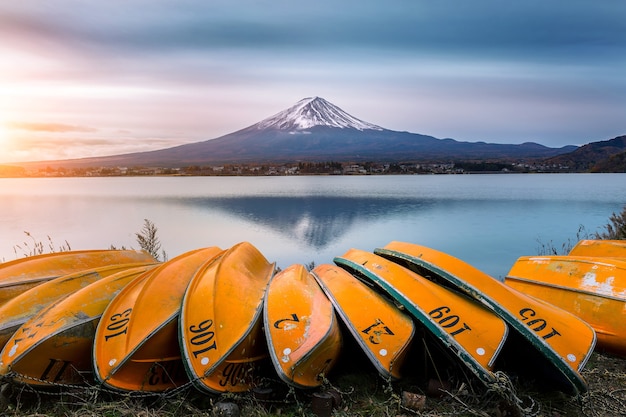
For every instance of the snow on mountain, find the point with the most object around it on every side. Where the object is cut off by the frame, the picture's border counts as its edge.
(311, 112)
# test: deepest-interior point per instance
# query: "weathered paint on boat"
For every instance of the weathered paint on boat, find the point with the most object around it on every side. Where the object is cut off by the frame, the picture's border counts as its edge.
(54, 346)
(301, 328)
(607, 248)
(25, 305)
(136, 343)
(562, 338)
(22, 274)
(220, 321)
(474, 333)
(381, 329)
(593, 289)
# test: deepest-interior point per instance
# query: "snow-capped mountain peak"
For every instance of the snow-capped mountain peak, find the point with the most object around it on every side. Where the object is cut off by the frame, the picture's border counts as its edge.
(311, 112)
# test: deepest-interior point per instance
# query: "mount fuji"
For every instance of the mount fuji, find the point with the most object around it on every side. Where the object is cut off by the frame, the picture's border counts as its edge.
(316, 130)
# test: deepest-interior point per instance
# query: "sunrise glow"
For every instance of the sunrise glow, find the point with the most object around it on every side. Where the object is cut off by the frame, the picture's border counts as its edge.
(99, 78)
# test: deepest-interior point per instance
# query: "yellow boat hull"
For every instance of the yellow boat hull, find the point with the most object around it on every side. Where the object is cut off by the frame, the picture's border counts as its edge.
(605, 248)
(473, 333)
(22, 274)
(20, 308)
(593, 289)
(557, 335)
(382, 331)
(54, 346)
(136, 343)
(301, 329)
(239, 371)
(220, 317)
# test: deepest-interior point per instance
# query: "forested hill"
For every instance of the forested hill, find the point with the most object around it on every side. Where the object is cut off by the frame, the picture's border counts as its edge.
(603, 156)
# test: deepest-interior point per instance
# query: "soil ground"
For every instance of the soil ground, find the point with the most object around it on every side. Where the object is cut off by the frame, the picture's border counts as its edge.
(352, 394)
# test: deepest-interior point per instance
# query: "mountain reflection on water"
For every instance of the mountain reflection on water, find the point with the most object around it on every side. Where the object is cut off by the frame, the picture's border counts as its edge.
(316, 220)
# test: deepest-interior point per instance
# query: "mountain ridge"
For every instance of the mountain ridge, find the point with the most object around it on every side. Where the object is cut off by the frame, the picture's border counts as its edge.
(315, 130)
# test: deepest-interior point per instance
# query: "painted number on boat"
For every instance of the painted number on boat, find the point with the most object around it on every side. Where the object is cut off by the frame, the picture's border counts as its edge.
(203, 337)
(294, 318)
(376, 331)
(165, 372)
(537, 324)
(448, 321)
(118, 324)
(55, 367)
(29, 332)
(235, 374)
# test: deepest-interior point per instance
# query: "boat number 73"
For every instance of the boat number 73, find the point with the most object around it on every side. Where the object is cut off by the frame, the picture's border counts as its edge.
(537, 324)
(448, 321)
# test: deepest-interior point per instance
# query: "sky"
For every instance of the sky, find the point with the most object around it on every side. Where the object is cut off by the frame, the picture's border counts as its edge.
(81, 78)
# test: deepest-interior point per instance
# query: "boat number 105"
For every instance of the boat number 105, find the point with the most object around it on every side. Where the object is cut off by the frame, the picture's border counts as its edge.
(448, 321)
(537, 324)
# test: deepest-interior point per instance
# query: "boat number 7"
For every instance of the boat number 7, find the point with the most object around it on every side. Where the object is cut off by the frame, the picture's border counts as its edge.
(446, 320)
(294, 318)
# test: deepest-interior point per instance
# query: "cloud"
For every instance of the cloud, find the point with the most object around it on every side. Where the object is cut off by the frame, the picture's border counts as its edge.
(49, 127)
(483, 27)
(50, 147)
(202, 69)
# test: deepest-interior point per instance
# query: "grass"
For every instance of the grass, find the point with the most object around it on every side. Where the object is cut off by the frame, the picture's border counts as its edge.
(33, 246)
(360, 393)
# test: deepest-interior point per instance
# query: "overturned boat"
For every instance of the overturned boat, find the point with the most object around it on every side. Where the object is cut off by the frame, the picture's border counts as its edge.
(221, 327)
(301, 328)
(136, 343)
(381, 329)
(466, 328)
(560, 341)
(54, 346)
(599, 247)
(22, 274)
(592, 288)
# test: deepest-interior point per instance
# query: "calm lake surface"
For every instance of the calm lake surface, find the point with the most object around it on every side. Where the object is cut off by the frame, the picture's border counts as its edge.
(486, 220)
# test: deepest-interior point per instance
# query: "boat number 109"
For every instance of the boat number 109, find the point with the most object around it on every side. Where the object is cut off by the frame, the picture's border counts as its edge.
(448, 321)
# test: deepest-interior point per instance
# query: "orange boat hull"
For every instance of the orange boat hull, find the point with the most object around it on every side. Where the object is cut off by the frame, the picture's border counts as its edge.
(605, 248)
(472, 332)
(383, 331)
(557, 335)
(593, 289)
(301, 329)
(221, 316)
(22, 274)
(136, 343)
(54, 346)
(25, 305)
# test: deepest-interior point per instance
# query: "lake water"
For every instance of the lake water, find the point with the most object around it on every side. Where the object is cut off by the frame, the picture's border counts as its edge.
(486, 220)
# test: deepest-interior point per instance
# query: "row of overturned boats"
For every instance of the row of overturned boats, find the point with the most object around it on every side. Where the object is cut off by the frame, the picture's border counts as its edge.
(225, 320)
